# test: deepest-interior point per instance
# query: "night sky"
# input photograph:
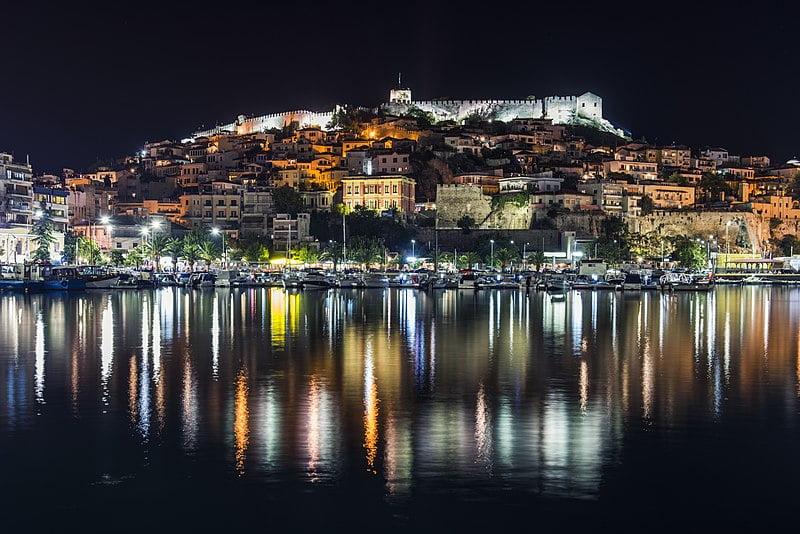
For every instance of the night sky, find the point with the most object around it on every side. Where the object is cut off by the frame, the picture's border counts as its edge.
(80, 83)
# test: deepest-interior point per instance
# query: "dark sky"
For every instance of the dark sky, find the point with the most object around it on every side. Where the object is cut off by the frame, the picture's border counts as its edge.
(79, 82)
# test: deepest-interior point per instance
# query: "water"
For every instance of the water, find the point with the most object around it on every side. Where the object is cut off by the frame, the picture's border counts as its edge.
(397, 409)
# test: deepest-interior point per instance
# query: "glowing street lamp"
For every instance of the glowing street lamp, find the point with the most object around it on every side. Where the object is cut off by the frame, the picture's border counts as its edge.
(413, 248)
(491, 243)
(217, 231)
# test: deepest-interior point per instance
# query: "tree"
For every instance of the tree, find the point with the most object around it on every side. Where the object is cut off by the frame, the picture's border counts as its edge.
(505, 256)
(537, 258)
(89, 250)
(117, 257)
(688, 252)
(469, 259)
(714, 185)
(209, 250)
(306, 253)
(134, 257)
(786, 245)
(250, 247)
(466, 223)
(333, 251)
(287, 200)
(607, 249)
(365, 250)
(158, 246)
(647, 205)
(70, 246)
(43, 230)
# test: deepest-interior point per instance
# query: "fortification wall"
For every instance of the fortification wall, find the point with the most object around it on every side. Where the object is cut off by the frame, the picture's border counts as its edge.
(458, 110)
(450, 240)
(455, 201)
(247, 125)
(745, 229)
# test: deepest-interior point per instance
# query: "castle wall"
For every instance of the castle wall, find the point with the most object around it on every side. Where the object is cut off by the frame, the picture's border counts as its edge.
(246, 125)
(455, 201)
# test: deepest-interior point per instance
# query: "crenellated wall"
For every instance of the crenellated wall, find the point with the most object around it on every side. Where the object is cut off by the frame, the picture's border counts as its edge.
(246, 125)
(562, 109)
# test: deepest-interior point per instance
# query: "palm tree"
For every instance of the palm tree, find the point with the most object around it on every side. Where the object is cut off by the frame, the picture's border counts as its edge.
(158, 246)
(190, 251)
(43, 230)
(469, 259)
(538, 259)
(505, 256)
(208, 250)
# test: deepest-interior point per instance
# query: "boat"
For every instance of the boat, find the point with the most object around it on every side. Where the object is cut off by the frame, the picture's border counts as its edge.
(314, 279)
(291, 280)
(98, 277)
(226, 278)
(754, 280)
(685, 282)
(132, 280)
(556, 282)
(201, 280)
(632, 282)
(374, 281)
(583, 282)
(166, 280)
(349, 281)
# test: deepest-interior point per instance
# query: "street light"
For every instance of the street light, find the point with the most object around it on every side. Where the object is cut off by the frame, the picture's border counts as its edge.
(217, 231)
(413, 248)
(491, 262)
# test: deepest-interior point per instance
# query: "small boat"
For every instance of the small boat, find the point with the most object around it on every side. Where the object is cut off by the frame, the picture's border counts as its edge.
(201, 280)
(315, 280)
(350, 281)
(165, 280)
(632, 282)
(226, 278)
(133, 281)
(556, 282)
(374, 281)
(98, 277)
(292, 280)
(754, 280)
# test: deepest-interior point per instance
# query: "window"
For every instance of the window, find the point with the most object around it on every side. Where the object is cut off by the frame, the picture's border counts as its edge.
(119, 245)
(394, 189)
(208, 214)
(233, 214)
(386, 189)
(221, 214)
(233, 202)
(356, 190)
(394, 160)
(349, 189)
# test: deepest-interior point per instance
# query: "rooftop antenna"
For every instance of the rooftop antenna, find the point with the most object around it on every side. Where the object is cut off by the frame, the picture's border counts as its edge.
(399, 80)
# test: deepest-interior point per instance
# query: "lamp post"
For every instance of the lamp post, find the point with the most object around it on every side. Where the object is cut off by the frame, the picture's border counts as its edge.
(727, 244)
(413, 248)
(512, 261)
(491, 261)
(708, 251)
(217, 231)
(525, 255)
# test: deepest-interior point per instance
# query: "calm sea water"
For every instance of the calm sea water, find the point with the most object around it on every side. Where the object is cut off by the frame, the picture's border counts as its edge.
(382, 410)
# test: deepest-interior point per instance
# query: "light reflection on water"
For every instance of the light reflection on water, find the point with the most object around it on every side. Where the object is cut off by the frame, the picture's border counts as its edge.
(426, 393)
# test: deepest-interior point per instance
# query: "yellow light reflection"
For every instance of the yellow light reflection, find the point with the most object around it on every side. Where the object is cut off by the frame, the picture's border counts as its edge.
(241, 421)
(370, 413)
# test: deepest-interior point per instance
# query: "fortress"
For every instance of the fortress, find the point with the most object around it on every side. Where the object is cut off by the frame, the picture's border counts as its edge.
(585, 109)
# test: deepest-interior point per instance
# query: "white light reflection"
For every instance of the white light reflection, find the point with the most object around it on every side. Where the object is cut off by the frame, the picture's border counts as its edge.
(38, 377)
(483, 430)
(215, 338)
(106, 349)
